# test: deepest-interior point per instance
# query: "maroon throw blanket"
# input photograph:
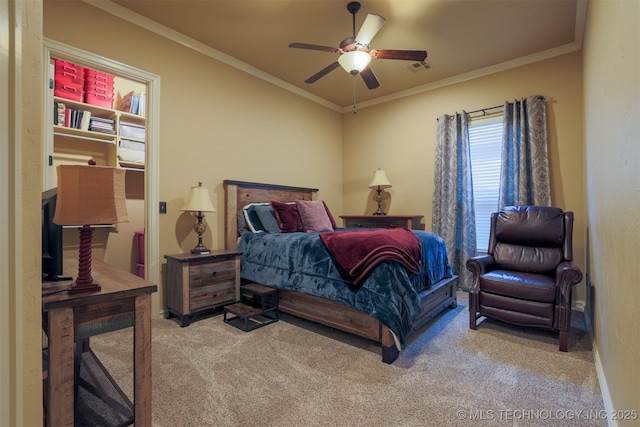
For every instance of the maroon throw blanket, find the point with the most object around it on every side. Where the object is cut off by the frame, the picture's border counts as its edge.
(359, 251)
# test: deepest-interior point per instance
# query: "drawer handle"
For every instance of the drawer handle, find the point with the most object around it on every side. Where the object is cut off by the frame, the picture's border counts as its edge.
(214, 273)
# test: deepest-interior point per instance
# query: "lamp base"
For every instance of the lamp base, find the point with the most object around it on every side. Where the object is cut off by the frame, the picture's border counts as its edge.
(379, 201)
(84, 282)
(200, 250)
(79, 288)
(200, 227)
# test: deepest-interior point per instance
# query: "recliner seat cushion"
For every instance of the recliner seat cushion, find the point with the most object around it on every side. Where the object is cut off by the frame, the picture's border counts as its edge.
(533, 287)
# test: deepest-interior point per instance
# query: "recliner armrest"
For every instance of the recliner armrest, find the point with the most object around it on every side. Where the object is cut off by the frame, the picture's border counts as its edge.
(480, 264)
(567, 275)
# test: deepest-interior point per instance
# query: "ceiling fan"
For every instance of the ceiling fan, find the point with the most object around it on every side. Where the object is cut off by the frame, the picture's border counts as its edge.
(355, 53)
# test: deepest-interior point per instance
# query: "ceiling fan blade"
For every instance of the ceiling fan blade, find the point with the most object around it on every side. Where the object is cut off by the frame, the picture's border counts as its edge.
(369, 78)
(326, 70)
(402, 54)
(313, 47)
(369, 29)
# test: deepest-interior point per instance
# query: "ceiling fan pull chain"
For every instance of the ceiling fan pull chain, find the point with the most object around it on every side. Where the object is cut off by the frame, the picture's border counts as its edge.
(354, 95)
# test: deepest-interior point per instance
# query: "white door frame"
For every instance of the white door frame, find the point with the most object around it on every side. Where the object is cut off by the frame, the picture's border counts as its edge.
(7, 349)
(59, 50)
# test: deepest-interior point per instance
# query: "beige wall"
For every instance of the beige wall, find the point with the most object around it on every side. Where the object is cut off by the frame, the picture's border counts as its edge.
(216, 123)
(399, 137)
(612, 129)
(242, 124)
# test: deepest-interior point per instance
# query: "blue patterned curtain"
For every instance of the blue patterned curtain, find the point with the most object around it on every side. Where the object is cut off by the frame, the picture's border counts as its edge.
(524, 178)
(453, 213)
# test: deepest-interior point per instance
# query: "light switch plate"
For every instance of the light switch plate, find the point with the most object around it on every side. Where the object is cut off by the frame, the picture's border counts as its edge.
(163, 207)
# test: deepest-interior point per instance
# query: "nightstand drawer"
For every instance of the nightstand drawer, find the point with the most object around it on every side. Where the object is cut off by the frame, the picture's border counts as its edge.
(208, 296)
(411, 222)
(369, 223)
(204, 274)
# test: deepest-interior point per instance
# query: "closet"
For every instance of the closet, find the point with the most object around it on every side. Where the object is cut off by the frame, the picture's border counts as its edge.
(103, 110)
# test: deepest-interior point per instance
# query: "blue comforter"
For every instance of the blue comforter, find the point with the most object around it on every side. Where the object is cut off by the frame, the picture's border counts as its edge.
(300, 262)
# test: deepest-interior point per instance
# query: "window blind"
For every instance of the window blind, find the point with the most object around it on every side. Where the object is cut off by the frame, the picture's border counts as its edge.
(485, 141)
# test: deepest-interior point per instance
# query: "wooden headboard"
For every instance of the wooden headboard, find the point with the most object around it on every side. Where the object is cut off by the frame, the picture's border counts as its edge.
(240, 193)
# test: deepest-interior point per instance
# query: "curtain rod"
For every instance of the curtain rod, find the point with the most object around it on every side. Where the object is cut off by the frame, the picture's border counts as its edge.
(484, 110)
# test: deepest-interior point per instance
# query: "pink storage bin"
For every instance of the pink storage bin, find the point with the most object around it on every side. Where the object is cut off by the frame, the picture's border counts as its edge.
(99, 90)
(90, 84)
(140, 270)
(139, 236)
(69, 92)
(68, 68)
(99, 100)
(70, 79)
(98, 76)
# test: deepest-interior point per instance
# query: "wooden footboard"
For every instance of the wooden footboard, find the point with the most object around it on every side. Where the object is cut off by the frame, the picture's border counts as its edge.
(339, 316)
(320, 310)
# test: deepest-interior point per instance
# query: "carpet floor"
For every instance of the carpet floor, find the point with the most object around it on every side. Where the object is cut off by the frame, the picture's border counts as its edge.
(297, 373)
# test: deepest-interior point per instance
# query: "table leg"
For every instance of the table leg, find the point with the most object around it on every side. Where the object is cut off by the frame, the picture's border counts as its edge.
(60, 404)
(142, 361)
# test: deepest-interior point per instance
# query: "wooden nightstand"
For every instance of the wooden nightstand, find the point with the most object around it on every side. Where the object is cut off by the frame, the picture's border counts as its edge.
(196, 283)
(411, 222)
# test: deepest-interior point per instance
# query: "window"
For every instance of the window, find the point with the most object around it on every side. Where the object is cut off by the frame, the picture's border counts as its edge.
(485, 140)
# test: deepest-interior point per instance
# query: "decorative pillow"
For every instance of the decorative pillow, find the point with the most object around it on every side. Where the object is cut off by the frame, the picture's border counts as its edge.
(313, 214)
(243, 228)
(253, 222)
(333, 221)
(268, 218)
(288, 217)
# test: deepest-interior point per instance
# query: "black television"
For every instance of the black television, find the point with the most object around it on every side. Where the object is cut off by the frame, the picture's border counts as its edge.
(52, 265)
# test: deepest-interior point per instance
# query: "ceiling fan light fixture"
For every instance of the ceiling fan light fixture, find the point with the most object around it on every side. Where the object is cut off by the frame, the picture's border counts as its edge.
(354, 61)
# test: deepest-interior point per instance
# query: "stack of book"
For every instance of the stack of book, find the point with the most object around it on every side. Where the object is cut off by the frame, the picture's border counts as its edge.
(99, 124)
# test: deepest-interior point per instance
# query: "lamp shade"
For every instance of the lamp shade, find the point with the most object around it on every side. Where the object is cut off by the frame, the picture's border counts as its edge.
(354, 61)
(90, 195)
(379, 180)
(199, 200)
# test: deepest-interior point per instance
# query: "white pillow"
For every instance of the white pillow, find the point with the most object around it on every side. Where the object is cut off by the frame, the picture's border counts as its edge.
(253, 221)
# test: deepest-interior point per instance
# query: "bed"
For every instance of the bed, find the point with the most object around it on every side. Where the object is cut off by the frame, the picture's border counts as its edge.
(355, 313)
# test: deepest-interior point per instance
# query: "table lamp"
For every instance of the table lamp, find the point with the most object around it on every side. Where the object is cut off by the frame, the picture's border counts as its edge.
(378, 183)
(89, 195)
(199, 202)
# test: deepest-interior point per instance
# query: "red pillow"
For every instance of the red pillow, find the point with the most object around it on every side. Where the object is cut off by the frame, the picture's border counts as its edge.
(287, 216)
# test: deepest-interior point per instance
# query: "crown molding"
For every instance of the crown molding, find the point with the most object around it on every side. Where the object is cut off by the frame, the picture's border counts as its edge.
(508, 65)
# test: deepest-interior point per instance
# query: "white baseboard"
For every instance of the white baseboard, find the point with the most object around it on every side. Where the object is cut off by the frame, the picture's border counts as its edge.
(578, 305)
(604, 389)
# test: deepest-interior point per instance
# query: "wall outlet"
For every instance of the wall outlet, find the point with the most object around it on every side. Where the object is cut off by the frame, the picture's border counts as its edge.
(163, 207)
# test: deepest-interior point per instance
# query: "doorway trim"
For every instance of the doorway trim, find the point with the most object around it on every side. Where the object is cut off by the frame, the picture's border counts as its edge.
(59, 50)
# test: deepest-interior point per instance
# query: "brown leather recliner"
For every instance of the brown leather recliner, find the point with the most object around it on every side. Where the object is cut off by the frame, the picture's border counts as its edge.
(528, 274)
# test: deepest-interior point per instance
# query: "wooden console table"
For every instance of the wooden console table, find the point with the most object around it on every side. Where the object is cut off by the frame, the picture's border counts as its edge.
(123, 301)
